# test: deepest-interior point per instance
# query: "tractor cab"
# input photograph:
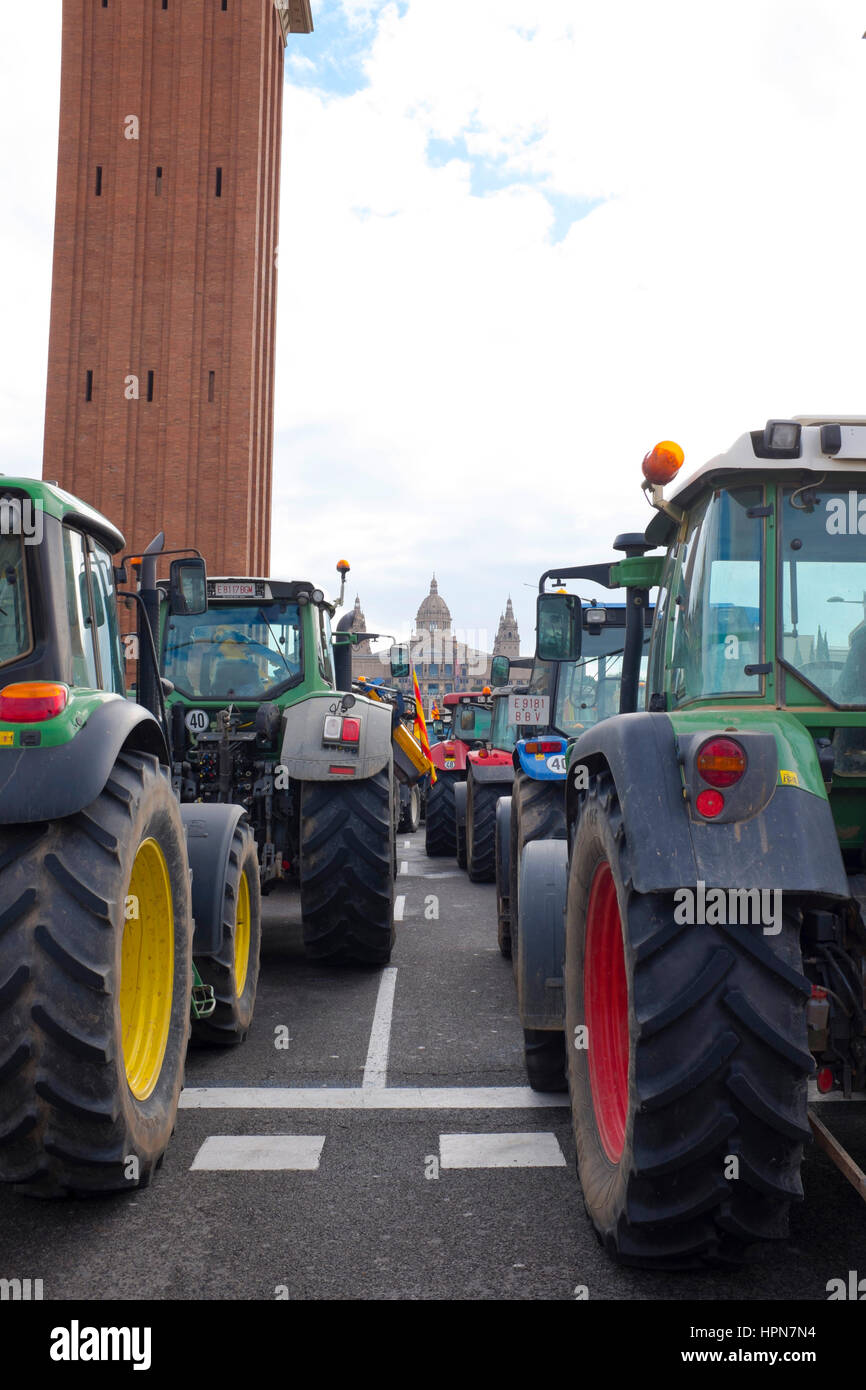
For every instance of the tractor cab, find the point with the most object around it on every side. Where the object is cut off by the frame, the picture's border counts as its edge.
(579, 692)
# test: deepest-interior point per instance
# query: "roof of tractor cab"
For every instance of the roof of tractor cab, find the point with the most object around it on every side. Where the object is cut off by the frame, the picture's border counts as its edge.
(813, 443)
(457, 697)
(66, 508)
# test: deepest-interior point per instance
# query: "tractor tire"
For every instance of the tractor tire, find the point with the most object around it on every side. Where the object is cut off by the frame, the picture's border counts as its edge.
(233, 970)
(460, 793)
(481, 799)
(544, 1053)
(537, 813)
(347, 856)
(410, 817)
(95, 986)
(694, 1054)
(503, 845)
(440, 835)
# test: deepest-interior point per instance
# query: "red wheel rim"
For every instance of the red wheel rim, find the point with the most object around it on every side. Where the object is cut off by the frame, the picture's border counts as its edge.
(605, 998)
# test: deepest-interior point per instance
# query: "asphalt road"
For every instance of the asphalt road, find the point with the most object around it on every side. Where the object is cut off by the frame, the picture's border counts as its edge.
(381, 1216)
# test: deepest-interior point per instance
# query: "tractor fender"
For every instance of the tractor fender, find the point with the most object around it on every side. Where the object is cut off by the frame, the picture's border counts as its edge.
(490, 772)
(541, 767)
(787, 843)
(38, 784)
(503, 844)
(456, 758)
(307, 758)
(541, 933)
(209, 827)
(460, 790)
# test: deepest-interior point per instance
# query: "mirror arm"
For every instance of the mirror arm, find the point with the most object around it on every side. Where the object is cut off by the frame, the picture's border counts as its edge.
(596, 574)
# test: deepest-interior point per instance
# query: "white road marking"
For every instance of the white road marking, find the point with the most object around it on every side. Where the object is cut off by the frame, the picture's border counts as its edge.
(399, 907)
(376, 1066)
(406, 844)
(500, 1151)
(368, 1098)
(404, 866)
(449, 873)
(222, 1153)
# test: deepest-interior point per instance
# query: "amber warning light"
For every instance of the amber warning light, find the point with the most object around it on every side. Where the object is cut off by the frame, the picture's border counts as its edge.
(663, 462)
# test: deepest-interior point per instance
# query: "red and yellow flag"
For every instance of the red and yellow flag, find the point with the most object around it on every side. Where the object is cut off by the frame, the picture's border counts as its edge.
(421, 727)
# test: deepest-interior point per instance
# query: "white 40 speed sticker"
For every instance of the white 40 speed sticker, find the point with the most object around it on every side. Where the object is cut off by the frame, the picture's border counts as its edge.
(556, 763)
(197, 721)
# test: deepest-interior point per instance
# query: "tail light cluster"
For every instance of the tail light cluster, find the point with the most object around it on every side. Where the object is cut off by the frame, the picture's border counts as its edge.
(341, 729)
(29, 702)
(555, 745)
(721, 762)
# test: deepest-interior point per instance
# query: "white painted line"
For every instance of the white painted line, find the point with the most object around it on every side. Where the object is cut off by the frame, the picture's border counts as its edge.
(404, 866)
(376, 1066)
(500, 1151)
(816, 1097)
(223, 1153)
(399, 907)
(368, 1098)
(449, 873)
(406, 844)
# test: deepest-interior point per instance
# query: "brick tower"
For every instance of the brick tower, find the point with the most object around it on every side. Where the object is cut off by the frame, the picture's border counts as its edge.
(159, 405)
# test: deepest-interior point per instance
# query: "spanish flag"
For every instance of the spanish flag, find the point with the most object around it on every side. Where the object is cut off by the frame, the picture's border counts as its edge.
(421, 727)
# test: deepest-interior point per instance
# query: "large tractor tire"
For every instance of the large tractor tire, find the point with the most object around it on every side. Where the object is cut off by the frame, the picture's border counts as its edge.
(481, 799)
(460, 795)
(95, 985)
(544, 1055)
(440, 834)
(233, 969)
(539, 948)
(503, 848)
(688, 1085)
(537, 813)
(347, 855)
(410, 813)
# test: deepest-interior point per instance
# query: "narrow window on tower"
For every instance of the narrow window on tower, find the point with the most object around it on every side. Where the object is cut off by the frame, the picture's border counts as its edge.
(219, 183)
(165, 4)
(225, 4)
(99, 180)
(211, 377)
(150, 386)
(88, 386)
(158, 183)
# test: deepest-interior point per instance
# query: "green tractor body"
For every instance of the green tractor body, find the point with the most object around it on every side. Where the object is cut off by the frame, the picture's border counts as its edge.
(100, 978)
(262, 716)
(714, 876)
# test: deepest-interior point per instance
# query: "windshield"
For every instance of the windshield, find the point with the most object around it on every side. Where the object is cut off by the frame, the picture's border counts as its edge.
(471, 722)
(824, 590)
(14, 622)
(503, 735)
(234, 651)
(588, 690)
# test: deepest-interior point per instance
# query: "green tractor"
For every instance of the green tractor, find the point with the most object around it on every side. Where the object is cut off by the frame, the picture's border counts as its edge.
(110, 891)
(714, 875)
(262, 715)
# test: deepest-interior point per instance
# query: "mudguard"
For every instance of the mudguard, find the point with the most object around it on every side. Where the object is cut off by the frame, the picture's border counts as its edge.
(541, 767)
(503, 848)
(454, 760)
(210, 828)
(541, 933)
(480, 770)
(305, 756)
(790, 843)
(460, 803)
(39, 784)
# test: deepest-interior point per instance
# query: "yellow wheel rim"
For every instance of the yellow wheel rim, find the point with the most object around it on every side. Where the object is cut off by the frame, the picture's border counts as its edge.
(242, 935)
(146, 969)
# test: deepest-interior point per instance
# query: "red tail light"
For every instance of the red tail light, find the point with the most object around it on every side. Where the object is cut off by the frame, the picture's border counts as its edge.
(721, 762)
(351, 730)
(28, 702)
(710, 804)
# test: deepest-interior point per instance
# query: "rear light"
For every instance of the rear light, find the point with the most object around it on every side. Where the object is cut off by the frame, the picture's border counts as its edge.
(824, 1079)
(28, 702)
(556, 746)
(710, 803)
(532, 748)
(721, 762)
(342, 770)
(339, 730)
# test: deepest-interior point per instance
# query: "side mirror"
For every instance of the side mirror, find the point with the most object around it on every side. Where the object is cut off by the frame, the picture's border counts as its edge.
(399, 663)
(188, 587)
(558, 627)
(499, 669)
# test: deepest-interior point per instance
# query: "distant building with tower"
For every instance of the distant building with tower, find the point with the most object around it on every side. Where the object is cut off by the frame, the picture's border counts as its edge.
(442, 662)
(159, 406)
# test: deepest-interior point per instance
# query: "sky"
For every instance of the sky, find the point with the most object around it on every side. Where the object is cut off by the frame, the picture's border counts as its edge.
(520, 244)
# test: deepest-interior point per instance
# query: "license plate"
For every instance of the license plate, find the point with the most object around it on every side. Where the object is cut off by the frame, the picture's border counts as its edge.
(239, 590)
